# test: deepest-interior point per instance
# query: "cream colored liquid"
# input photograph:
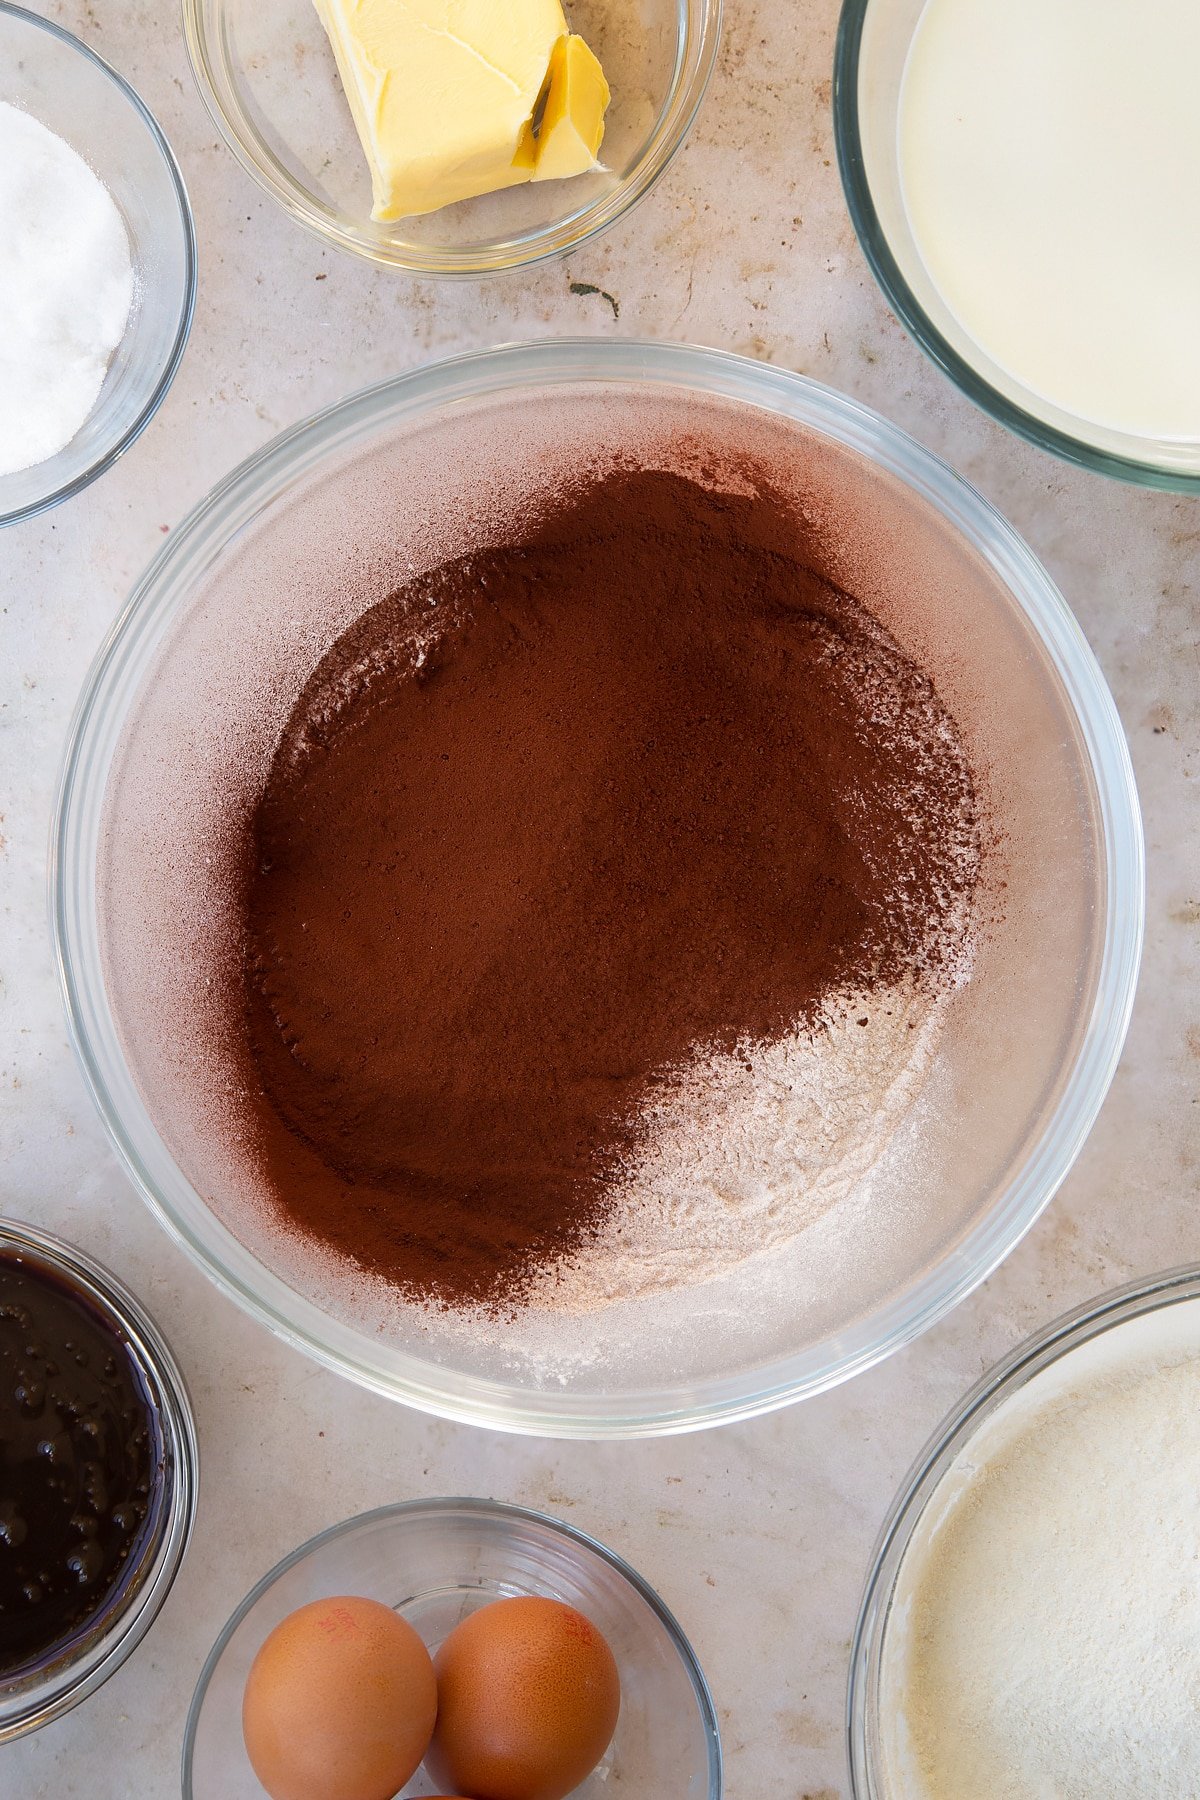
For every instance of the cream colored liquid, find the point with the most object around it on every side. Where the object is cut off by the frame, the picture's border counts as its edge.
(1050, 161)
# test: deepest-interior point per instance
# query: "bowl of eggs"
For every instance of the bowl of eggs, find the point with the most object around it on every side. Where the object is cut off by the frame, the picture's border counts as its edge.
(451, 1648)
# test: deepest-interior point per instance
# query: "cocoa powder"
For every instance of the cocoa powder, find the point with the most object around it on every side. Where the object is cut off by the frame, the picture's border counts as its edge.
(544, 825)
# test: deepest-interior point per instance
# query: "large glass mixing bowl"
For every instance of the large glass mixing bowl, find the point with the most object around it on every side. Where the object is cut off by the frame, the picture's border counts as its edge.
(1030, 1043)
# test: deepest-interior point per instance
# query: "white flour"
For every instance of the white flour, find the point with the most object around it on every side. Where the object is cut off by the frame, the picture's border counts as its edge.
(744, 1151)
(1045, 1643)
(66, 287)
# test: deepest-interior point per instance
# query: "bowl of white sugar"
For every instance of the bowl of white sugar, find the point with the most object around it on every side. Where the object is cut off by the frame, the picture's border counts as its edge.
(98, 277)
(1032, 1622)
(1022, 180)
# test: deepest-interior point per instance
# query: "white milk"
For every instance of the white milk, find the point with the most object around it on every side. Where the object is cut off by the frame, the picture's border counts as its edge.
(1050, 161)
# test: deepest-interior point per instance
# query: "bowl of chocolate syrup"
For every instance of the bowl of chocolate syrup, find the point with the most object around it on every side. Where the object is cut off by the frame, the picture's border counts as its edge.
(98, 1470)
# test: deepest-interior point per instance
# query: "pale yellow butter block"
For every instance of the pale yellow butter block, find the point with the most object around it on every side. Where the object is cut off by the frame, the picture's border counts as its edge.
(572, 123)
(444, 94)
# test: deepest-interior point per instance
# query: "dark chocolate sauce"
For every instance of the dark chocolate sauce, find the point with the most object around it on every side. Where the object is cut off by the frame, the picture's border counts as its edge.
(80, 1451)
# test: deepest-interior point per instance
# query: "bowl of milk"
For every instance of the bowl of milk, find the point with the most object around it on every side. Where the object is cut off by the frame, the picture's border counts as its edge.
(1021, 177)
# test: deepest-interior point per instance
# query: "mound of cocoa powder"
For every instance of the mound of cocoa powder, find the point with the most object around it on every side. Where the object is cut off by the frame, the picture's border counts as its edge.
(544, 824)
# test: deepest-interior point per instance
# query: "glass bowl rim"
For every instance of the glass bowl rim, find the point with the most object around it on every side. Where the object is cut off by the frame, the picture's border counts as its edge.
(105, 459)
(497, 256)
(1022, 1364)
(492, 1509)
(519, 367)
(916, 321)
(64, 1687)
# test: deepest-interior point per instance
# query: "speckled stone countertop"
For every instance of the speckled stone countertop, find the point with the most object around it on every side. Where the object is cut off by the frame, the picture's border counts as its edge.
(758, 1536)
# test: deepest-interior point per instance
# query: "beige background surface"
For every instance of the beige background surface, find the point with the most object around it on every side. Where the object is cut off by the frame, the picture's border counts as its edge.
(759, 1535)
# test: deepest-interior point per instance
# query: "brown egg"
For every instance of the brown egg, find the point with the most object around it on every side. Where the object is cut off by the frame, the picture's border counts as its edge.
(528, 1696)
(339, 1703)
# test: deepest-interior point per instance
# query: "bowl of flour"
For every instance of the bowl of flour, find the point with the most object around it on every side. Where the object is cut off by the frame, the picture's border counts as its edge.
(99, 272)
(651, 1129)
(1032, 1624)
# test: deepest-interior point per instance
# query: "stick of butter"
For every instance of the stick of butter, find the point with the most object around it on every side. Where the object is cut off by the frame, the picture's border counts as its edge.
(454, 98)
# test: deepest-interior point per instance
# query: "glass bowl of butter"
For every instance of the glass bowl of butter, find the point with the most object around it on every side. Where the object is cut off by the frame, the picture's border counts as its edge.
(454, 137)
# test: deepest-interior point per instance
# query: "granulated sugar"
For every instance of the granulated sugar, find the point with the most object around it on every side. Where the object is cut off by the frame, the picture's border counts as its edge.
(66, 287)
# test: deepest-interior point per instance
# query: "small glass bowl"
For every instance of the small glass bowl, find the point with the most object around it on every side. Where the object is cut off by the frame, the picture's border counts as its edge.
(54, 1688)
(435, 1561)
(267, 75)
(873, 42)
(73, 92)
(868, 1776)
